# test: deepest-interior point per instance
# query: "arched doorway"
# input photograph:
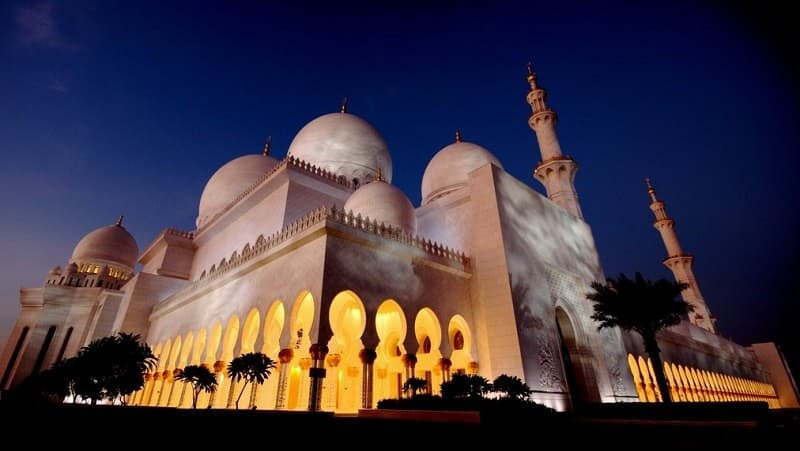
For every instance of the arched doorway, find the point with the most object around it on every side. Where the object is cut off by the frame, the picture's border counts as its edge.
(348, 319)
(390, 323)
(577, 359)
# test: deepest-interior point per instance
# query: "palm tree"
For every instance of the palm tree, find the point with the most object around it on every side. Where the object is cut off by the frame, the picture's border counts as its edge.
(511, 387)
(108, 368)
(414, 384)
(201, 379)
(461, 386)
(642, 306)
(253, 367)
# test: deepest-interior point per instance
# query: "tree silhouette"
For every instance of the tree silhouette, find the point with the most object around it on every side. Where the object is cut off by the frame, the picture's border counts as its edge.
(200, 378)
(511, 387)
(642, 306)
(107, 368)
(253, 367)
(462, 386)
(414, 384)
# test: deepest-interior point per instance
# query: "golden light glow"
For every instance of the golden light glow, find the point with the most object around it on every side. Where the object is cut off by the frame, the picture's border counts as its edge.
(697, 385)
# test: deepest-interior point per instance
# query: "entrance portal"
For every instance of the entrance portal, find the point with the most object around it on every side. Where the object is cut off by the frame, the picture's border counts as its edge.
(577, 360)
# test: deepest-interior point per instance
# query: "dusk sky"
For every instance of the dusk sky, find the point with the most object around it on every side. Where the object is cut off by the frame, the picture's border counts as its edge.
(110, 108)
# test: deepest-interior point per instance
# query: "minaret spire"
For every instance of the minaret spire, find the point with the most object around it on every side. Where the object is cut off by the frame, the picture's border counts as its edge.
(680, 263)
(267, 145)
(343, 109)
(556, 171)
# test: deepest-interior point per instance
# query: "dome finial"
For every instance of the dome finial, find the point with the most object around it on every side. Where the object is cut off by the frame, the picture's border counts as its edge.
(343, 109)
(119, 220)
(458, 136)
(380, 178)
(267, 145)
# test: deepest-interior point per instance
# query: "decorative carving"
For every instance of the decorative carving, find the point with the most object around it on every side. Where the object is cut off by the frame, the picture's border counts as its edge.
(617, 385)
(549, 366)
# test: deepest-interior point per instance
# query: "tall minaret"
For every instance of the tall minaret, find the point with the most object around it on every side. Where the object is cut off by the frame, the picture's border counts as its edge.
(680, 263)
(556, 171)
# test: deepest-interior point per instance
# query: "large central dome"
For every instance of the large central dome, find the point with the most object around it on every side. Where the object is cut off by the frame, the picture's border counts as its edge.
(345, 145)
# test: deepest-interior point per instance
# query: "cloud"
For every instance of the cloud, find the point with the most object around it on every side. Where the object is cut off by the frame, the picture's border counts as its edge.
(36, 27)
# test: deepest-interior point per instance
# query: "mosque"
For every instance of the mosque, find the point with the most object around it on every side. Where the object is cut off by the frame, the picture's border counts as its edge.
(318, 261)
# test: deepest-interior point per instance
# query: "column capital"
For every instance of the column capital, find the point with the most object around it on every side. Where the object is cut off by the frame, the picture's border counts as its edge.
(410, 360)
(285, 356)
(367, 355)
(318, 351)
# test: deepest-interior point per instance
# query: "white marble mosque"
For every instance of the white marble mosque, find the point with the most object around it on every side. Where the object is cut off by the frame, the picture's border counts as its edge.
(318, 261)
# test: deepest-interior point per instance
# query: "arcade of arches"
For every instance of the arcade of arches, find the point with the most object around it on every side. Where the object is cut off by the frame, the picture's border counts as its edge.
(687, 384)
(341, 375)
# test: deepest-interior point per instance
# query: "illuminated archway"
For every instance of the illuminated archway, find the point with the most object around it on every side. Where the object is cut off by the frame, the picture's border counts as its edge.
(301, 321)
(158, 385)
(577, 360)
(212, 349)
(223, 397)
(460, 337)
(649, 383)
(198, 345)
(167, 375)
(248, 342)
(656, 388)
(428, 331)
(637, 378)
(390, 323)
(273, 327)
(348, 319)
(143, 399)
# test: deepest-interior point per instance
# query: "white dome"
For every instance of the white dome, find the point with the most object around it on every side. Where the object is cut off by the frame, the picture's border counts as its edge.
(107, 244)
(385, 203)
(345, 145)
(449, 169)
(231, 180)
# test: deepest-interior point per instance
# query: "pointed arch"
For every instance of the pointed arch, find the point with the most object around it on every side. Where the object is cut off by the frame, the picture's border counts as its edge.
(460, 337)
(252, 324)
(391, 326)
(301, 321)
(273, 327)
(428, 332)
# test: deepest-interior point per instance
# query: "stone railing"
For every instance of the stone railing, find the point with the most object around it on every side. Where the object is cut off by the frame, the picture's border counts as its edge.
(339, 216)
(288, 161)
(178, 232)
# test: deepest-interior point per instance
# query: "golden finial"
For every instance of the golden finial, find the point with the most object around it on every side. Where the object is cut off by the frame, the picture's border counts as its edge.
(267, 145)
(458, 136)
(530, 69)
(343, 109)
(119, 221)
(380, 178)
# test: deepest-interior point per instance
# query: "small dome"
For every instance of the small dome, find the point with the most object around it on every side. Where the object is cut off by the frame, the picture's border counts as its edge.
(449, 169)
(72, 268)
(344, 144)
(55, 271)
(385, 203)
(231, 180)
(107, 244)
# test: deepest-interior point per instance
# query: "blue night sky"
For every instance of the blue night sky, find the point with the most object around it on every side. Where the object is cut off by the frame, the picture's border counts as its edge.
(129, 107)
